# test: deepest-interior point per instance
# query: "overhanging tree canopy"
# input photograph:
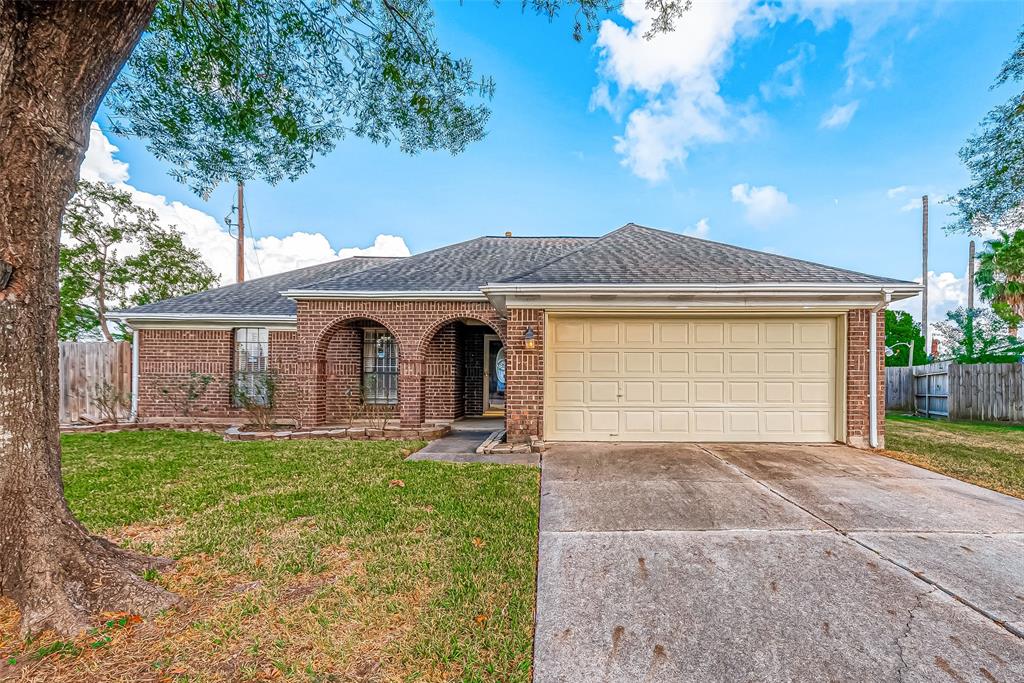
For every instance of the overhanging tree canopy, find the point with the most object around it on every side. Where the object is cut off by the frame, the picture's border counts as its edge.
(57, 60)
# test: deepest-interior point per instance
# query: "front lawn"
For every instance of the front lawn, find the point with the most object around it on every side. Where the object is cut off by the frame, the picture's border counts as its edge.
(301, 560)
(990, 455)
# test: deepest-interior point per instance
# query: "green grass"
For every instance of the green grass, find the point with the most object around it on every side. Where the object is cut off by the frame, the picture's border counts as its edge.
(990, 455)
(309, 560)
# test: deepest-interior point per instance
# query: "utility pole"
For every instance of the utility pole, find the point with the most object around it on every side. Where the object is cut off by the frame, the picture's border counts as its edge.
(240, 252)
(970, 278)
(924, 268)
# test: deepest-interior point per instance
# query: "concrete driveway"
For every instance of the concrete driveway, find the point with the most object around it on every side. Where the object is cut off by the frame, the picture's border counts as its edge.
(687, 562)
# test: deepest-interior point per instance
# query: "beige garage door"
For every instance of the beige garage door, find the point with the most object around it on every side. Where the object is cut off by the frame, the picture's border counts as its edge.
(695, 379)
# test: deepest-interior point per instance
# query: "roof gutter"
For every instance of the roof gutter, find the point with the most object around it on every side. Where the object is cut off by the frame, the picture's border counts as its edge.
(396, 295)
(128, 317)
(908, 289)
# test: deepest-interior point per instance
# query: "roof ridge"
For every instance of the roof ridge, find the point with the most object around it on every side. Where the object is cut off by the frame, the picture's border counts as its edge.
(748, 250)
(413, 256)
(595, 242)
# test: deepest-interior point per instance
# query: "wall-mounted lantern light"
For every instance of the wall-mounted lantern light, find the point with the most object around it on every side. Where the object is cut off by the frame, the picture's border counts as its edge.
(528, 337)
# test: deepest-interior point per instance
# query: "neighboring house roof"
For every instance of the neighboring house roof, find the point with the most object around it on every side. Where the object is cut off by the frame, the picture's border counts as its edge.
(462, 267)
(636, 255)
(259, 296)
(631, 257)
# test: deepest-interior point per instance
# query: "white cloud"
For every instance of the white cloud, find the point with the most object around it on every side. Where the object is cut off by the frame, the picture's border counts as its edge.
(946, 291)
(668, 89)
(839, 116)
(264, 255)
(765, 205)
(788, 79)
(701, 229)
(894, 192)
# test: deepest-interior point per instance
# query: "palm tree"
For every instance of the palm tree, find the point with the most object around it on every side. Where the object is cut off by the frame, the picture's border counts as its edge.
(1000, 276)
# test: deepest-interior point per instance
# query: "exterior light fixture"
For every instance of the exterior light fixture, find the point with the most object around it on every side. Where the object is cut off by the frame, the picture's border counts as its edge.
(528, 338)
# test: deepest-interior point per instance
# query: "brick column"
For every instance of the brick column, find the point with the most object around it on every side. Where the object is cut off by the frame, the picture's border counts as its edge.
(524, 389)
(410, 391)
(857, 377)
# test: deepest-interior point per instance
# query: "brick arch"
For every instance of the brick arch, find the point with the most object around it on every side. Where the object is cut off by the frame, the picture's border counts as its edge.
(324, 403)
(323, 339)
(428, 335)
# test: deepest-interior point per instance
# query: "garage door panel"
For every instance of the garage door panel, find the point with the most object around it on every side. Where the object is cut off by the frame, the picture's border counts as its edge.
(708, 363)
(743, 362)
(674, 392)
(603, 392)
(603, 332)
(638, 392)
(709, 392)
(603, 362)
(674, 362)
(569, 362)
(604, 421)
(638, 362)
(676, 333)
(679, 379)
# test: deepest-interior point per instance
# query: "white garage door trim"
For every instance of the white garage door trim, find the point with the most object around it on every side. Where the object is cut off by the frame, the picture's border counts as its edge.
(693, 378)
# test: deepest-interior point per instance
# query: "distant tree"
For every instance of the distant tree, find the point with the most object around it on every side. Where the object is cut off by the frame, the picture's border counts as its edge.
(1000, 277)
(901, 329)
(995, 159)
(978, 335)
(117, 255)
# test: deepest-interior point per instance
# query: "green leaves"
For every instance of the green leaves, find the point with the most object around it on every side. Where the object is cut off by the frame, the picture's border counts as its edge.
(229, 91)
(977, 335)
(1000, 276)
(115, 254)
(995, 159)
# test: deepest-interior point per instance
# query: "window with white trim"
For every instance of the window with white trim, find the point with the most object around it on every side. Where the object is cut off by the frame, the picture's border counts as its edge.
(252, 350)
(380, 367)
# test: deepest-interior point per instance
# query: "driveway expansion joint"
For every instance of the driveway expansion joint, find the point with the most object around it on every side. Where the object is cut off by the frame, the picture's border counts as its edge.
(920, 576)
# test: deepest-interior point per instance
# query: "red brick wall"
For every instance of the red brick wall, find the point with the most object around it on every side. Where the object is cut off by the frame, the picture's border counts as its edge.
(857, 377)
(167, 357)
(524, 392)
(414, 324)
(442, 378)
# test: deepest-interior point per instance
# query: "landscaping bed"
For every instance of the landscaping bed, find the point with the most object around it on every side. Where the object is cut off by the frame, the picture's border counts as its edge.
(987, 454)
(311, 560)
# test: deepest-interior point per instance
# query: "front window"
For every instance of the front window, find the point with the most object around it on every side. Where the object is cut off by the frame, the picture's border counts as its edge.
(380, 367)
(252, 349)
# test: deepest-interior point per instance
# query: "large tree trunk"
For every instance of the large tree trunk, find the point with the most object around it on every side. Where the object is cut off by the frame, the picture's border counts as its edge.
(57, 59)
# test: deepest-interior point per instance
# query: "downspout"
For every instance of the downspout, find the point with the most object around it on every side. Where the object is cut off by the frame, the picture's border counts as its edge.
(873, 368)
(135, 376)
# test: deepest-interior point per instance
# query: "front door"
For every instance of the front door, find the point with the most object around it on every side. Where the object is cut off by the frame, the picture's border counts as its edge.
(494, 375)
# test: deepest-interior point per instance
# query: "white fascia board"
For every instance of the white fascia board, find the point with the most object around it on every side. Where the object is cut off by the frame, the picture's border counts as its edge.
(202, 320)
(700, 293)
(396, 295)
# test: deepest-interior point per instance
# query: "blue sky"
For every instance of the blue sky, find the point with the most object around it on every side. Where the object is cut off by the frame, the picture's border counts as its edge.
(805, 129)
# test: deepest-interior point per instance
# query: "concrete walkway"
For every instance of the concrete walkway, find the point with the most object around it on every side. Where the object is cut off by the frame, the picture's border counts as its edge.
(461, 444)
(686, 562)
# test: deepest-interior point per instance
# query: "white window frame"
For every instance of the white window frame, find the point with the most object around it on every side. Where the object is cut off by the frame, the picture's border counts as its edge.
(251, 361)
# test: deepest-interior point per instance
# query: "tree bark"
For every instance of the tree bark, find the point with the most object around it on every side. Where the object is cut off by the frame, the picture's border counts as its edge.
(57, 60)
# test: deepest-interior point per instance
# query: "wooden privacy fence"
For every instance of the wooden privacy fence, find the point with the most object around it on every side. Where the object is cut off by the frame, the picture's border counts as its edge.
(987, 392)
(85, 367)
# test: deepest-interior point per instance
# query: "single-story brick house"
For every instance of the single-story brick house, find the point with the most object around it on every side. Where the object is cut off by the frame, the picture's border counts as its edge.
(638, 335)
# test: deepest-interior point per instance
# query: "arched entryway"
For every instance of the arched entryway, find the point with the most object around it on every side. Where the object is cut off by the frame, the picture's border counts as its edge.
(463, 370)
(357, 370)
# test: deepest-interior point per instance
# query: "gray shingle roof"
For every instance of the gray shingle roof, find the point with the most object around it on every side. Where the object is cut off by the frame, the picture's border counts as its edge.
(634, 255)
(260, 296)
(462, 267)
(631, 255)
